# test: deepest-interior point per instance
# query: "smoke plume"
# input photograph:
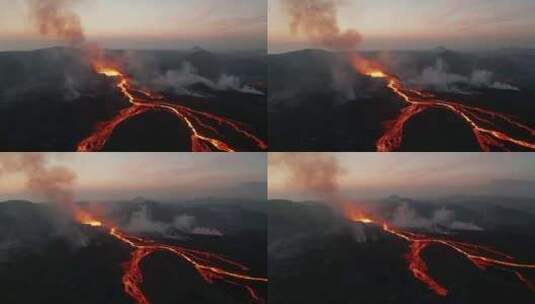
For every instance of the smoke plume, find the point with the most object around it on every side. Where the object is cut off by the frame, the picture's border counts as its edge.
(317, 173)
(55, 18)
(317, 19)
(50, 183)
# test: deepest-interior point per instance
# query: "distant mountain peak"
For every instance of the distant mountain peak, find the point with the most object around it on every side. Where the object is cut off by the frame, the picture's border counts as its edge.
(16, 202)
(394, 197)
(139, 199)
(440, 50)
(198, 49)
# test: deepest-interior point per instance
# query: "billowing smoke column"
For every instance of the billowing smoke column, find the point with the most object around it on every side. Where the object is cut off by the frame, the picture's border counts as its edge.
(312, 172)
(50, 183)
(55, 18)
(317, 19)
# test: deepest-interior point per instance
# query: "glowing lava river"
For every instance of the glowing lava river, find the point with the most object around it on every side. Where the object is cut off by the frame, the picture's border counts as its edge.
(490, 128)
(209, 266)
(205, 136)
(480, 256)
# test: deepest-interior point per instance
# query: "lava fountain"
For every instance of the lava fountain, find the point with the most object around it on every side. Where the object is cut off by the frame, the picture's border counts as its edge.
(489, 128)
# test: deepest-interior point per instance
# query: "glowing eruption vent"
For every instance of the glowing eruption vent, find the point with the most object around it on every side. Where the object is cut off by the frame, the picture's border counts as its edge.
(93, 223)
(110, 72)
(86, 219)
(376, 74)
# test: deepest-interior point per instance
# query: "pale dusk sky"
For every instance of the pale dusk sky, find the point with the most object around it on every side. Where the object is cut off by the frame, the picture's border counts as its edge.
(415, 175)
(165, 176)
(147, 24)
(417, 24)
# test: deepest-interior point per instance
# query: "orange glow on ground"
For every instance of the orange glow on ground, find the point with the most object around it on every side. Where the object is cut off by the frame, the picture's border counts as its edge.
(110, 72)
(93, 223)
(364, 220)
(357, 215)
(376, 74)
(87, 219)
(369, 67)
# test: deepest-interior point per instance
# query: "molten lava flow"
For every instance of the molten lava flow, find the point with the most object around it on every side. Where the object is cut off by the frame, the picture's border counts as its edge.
(489, 127)
(202, 125)
(482, 257)
(97, 140)
(133, 276)
(209, 266)
(419, 268)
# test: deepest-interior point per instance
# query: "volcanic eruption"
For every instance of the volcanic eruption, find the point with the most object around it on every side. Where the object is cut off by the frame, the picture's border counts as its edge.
(210, 266)
(492, 130)
(202, 125)
(322, 173)
(55, 183)
(482, 257)
(56, 18)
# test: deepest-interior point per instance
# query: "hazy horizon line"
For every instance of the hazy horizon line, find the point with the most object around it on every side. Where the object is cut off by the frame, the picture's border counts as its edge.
(213, 50)
(145, 199)
(419, 198)
(467, 50)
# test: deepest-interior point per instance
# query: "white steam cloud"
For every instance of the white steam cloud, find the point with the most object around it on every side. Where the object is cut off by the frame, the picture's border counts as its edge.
(188, 223)
(183, 79)
(441, 219)
(140, 221)
(438, 78)
(465, 226)
(358, 233)
(71, 88)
